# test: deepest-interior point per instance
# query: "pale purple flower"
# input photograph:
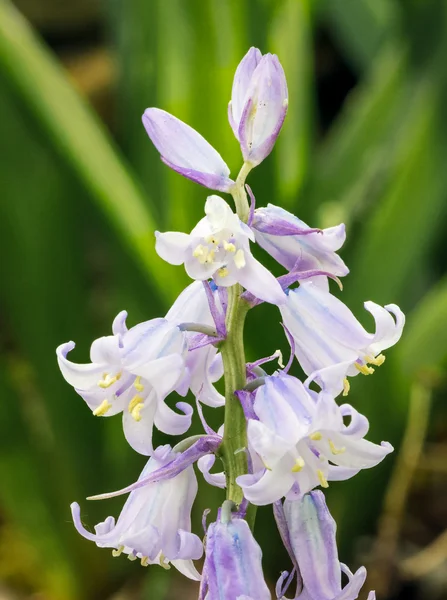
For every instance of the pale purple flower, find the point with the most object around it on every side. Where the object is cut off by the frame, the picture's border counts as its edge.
(219, 247)
(132, 371)
(205, 464)
(233, 567)
(258, 105)
(155, 522)
(303, 442)
(311, 533)
(184, 150)
(298, 247)
(330, 343)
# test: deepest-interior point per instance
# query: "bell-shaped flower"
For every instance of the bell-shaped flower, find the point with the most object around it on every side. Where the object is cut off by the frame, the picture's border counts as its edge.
(303, 441)
(155, 522)
(203, 366)
(326, 335)
(132, 371)
(184, 150)
(258, 105)
(298, 247)
(233, 561)
(219, 247)
(311, 533)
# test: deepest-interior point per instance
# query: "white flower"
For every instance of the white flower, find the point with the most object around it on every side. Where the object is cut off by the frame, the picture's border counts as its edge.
(219, 247)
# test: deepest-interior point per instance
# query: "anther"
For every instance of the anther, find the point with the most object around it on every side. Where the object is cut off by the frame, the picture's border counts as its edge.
(239, 259)
(346, 386)
(316, 437)
(138, 385)
(101, 410)
(117, 552)
(223, 272)
(336, 450)
(298, 466)
(144, 561)
(364, 369)
(131, 556)
(163, 564)
(201, 253)
(107, 381)
(378, 360)
(322, 479)
(228, 246)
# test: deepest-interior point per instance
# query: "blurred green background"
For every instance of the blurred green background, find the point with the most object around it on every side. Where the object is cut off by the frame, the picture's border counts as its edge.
(82, 190)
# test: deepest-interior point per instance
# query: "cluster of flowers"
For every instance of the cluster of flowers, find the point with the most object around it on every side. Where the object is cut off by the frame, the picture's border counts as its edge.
(298, 438)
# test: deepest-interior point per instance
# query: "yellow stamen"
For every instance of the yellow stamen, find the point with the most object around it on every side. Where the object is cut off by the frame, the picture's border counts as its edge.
(136, 411)
(118, 551)
(163, 564)
(346, 386)
(316, 437)
(210, 257)
(299, 464)
(378, 360)
(266, 465)
(138, 385)
(364, 369)
(101, 410)
(131, 557)
(229, 247)
(335, 450)
(134, 402)
(107, 381)
(211, 240)
(223, 272)
(201, 253)
(322, 479)
(144, 561)
(239, 259)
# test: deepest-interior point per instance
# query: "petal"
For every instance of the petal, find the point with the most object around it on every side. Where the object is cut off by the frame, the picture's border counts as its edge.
(119, 326)
(258, 280)
(388, 330)
(312, 536)
(358, 454)
(162, 373)
(186, 568)
(139, 433)
(172, 246)
(268, 487)
(270, 446)
(170, 422)
(105, 350)
(352, 590)
(241, 83)
(186, 151)
(191, 306)
(82, 377)
(205, 464)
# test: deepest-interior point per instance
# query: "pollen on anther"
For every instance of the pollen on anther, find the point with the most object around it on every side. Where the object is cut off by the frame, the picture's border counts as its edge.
(299, 465)
(144, 561)
(336, 450)
(364, 369)
(118, 552)
(346, 386)
(239, 259)
(107, 380)
(322, 479)
(102, 409)
(316, 437)
(223, 272)
(138, 385)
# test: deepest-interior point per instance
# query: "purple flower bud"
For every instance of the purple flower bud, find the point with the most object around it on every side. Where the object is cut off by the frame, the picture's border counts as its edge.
(259, 104)
(184, 150)
(311, 532)
(232, 568)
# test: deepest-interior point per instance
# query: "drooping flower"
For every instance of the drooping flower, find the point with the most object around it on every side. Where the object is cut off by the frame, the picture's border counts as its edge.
(132, 371)
(327, 335)
(219, 247)
(298, 247)
(303, 442)
(233, 567)
(258, 105)
(311, 532)
(155, 522)
(184, 150)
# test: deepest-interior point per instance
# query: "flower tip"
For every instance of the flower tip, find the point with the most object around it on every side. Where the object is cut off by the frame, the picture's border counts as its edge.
(65, 348)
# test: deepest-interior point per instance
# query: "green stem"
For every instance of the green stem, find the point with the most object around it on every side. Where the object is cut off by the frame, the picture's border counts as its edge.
(234, 445)
(239, 194)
